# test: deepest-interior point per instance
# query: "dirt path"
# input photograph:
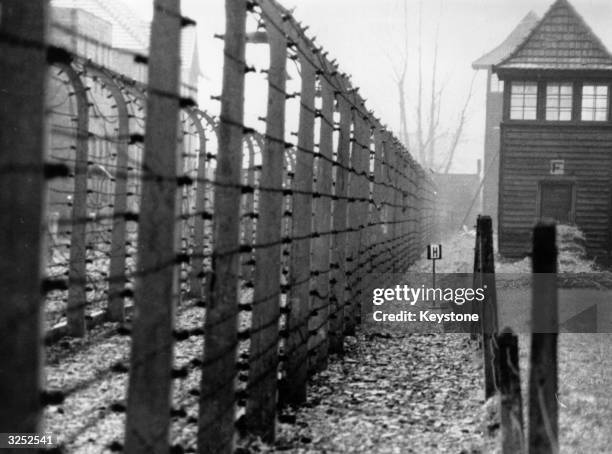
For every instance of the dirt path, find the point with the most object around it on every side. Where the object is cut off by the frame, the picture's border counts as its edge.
(418, 393)
(394, 392)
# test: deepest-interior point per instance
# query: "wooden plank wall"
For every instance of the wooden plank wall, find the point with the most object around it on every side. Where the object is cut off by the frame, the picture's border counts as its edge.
(525, 161)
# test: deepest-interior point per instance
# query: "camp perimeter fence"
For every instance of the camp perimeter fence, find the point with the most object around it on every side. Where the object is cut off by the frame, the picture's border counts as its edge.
(276, 241)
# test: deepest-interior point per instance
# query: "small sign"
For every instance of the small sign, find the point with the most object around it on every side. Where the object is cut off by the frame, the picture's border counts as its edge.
(434, 251)
(557, 167)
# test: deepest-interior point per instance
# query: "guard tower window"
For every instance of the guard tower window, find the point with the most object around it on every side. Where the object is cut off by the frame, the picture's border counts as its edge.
(523, 100)
(559, 101)
(594, 102)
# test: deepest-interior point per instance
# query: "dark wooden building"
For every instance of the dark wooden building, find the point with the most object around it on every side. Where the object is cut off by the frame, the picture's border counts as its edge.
(556, 133)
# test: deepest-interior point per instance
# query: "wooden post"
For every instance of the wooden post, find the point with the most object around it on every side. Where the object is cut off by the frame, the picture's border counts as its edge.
(543, 409)
(217, 397)
(360, 190)
(263, 356)
(512, 434)
(489, 306)
(340, 223)
(353, 223)
(148, 411)
(197, 261)
(376, 213)
(365, 240)
(23, 81)
(322, 216)
(292, 389)
(374, 238)
(477, 283)
(386, 202)
(77, 277)
(115, 310)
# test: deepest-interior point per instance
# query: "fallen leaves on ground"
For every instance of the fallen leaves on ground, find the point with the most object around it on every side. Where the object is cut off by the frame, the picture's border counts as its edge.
(411, 393)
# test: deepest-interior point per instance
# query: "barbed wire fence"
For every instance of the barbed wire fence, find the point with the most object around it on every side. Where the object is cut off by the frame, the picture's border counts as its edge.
(279, 242)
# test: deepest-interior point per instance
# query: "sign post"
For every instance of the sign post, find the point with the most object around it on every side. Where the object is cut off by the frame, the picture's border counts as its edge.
(434, 252)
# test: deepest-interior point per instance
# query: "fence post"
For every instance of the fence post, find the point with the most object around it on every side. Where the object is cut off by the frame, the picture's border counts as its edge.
(217, 397)
(77, 277)
(197, 261)
(488, 306)
(263, 356)
(476, 328)
(386, 203)
(340, 220)
(543, 410)
(148, 411)
(353, 222)
(319, 320)
(292, 390)
(512, 434)
(362, 167)
(23, 80)
(117, 278)
(376, 207)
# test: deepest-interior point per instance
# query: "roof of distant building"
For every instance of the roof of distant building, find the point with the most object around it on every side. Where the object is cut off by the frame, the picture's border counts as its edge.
(129, 31)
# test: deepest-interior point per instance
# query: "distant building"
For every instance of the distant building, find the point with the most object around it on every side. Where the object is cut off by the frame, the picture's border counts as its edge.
(458, 200)
(102, 29)
(556, 133)
(109, 34)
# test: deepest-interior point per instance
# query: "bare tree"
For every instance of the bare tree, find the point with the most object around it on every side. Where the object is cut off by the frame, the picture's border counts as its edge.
(459, 128)
(419, 106)
(432, 152)
(400, 80)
